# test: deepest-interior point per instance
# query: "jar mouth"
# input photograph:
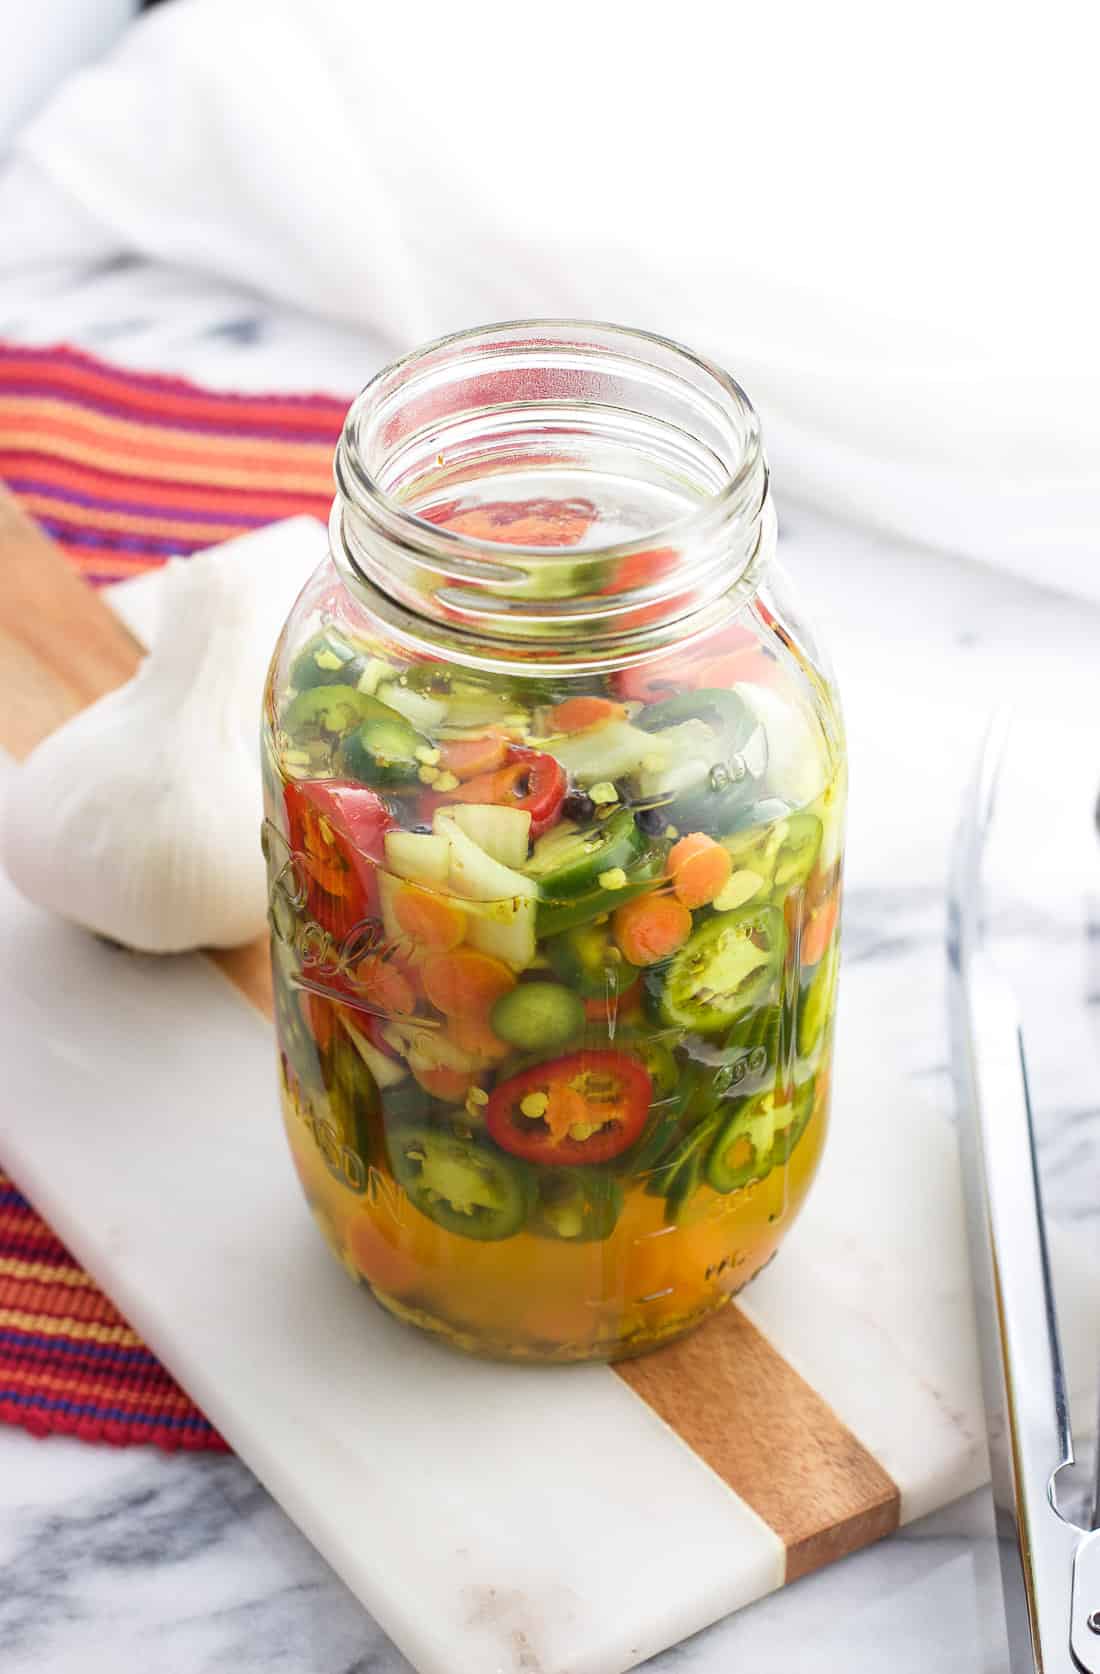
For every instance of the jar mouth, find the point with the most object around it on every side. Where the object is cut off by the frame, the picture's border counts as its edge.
(630, 468)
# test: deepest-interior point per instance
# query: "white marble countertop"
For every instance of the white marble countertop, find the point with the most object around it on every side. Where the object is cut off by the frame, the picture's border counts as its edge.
(111, 1561)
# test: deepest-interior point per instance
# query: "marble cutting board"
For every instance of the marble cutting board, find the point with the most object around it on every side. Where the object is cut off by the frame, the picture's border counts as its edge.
(569, 1521)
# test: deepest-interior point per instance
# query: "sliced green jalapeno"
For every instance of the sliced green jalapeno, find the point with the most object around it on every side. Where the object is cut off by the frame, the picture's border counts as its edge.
(728, 785)
(580, 1206)
(555, 916)
(742, 1150)
(324, 712)
(817, 1002)
(327, 660)
(462, 1185)
(797, 852)
(727, 967)
(796, 1116)
(587, 960)
(383, 748)
(568, 862)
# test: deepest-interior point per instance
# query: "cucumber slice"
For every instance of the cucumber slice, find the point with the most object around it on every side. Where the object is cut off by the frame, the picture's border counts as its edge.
(504, 833)
(569, 859)
(538, 1015)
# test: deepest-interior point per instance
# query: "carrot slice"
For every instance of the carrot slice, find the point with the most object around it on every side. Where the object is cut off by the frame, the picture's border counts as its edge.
(699, 868)
(467, 757)
(651, 927)
(382, 985)
(432, 920)
(576, 714)
(465, 983)
(444, 1083)
(477, 1038)
(818, 933)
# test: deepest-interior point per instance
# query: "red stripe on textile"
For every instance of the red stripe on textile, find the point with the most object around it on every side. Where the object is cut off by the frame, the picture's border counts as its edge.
(152, 394)
(42, 471)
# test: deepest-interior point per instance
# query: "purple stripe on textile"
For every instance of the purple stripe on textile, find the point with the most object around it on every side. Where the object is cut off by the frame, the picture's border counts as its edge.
(251, 429)
(134, 508)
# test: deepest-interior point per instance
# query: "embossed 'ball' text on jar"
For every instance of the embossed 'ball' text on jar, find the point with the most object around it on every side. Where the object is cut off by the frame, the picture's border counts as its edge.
(555, 789)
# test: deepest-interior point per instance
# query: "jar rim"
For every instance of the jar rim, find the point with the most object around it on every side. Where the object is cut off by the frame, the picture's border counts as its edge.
(351, 466)
(578, 395)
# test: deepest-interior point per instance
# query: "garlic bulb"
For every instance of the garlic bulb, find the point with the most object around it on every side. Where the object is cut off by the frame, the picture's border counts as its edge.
(140, 818)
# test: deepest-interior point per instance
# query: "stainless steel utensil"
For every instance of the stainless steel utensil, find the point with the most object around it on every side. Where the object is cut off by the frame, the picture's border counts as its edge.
(1050, 1567)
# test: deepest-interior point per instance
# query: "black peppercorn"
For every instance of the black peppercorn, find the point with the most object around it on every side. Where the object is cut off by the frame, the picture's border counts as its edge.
(579, 806)
(651, 820)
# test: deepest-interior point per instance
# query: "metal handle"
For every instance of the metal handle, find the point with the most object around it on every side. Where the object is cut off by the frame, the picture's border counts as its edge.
(1050, 1569)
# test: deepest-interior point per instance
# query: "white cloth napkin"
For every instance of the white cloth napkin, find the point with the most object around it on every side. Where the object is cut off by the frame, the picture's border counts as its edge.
(880, 223)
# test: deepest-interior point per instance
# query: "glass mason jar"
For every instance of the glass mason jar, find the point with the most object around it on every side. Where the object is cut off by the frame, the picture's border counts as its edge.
(554, 816)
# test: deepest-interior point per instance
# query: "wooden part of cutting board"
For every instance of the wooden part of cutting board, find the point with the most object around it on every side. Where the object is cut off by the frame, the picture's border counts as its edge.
(725, 1391)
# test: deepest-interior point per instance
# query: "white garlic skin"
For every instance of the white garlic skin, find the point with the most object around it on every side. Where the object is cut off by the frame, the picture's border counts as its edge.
(140, 818)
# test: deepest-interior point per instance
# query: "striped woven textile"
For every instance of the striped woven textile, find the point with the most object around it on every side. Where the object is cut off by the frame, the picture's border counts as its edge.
(68, 1360)
(123, 470)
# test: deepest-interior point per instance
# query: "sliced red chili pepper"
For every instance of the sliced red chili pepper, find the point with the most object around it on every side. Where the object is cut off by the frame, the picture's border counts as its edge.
(529, 779)
(584, 1108)
(336, 830)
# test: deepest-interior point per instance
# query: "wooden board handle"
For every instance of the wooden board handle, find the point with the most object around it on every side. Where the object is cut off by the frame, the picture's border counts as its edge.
(61, 648)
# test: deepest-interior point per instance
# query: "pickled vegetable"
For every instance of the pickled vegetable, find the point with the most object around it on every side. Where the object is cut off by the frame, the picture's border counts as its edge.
(555, 972)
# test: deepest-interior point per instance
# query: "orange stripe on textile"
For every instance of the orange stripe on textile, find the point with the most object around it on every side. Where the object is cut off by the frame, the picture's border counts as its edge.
(123, 470)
